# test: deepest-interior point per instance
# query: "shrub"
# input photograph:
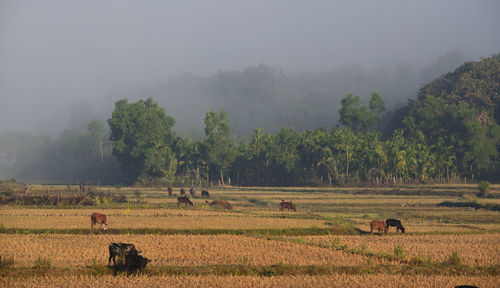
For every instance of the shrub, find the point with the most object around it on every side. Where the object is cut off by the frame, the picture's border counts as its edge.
(484, 187)
(399, 252)
(454, 259)
(422, 261)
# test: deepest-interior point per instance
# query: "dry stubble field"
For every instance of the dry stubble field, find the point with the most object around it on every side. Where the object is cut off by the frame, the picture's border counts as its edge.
(443, 247)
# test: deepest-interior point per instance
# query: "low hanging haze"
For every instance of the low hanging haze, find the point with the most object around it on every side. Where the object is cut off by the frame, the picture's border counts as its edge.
(60, 57)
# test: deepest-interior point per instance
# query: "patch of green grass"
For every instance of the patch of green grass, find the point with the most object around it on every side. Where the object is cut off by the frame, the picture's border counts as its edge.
(265, 271)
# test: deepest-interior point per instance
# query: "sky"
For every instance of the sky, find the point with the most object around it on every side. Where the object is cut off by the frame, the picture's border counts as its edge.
(56, 57)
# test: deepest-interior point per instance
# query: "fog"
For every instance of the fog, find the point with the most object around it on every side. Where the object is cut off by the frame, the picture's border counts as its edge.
(63, 63)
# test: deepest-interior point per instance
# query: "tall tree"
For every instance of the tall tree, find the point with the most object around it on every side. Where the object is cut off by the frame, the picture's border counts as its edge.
(360, 118)
(142, 137)
(217, 142)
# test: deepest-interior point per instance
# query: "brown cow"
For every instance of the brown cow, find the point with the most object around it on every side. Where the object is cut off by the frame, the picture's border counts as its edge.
(379, 226)
(98, 218)
(287, 205)
(185, 200)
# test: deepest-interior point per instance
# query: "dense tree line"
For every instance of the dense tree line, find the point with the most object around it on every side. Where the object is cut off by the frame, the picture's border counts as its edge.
(449, 133)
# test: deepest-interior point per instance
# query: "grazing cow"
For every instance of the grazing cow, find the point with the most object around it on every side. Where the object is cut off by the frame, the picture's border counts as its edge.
(184, 200)
(183, 192)
(170, 190)
(287, 205)
(121, 249)
(222, 203)
(98, 218)
(395, 223)
(205, 193)
(378, 225)
(134, 262)
(191, 191)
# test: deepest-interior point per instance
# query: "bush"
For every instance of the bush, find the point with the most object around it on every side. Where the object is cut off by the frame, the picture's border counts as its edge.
(399, 252)
(453, 259)
(484, 187)
(422, 261)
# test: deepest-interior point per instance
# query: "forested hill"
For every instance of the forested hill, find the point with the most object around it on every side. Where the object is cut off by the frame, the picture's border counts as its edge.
(474, 83)
(458, 114)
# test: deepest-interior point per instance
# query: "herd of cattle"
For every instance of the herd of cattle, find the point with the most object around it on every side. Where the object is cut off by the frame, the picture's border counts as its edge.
(135, 261)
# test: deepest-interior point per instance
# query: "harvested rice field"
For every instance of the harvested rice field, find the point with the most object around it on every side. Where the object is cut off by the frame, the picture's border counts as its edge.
(325, 243)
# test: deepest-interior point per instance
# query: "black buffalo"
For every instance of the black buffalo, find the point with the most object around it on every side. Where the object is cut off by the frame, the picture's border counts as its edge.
(183, 192)
(121, 249)
(395, 223)
(170, 190)
(205, 193)
(135, 262)
(192, 192)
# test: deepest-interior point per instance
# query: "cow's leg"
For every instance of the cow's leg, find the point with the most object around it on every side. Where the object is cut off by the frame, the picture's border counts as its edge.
(109, 260)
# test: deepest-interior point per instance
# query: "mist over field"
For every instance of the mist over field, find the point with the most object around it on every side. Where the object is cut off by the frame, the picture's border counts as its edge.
(269, 64)
(253, 93)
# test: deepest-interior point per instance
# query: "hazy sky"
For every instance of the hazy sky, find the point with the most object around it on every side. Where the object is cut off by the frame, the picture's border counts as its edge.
(55, 56)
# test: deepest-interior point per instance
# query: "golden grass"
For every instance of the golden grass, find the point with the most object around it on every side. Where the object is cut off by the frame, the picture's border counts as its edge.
(148, 218)
(382, 280)
(474, 250)
(257, 208)
(447, 221)
(180, 250)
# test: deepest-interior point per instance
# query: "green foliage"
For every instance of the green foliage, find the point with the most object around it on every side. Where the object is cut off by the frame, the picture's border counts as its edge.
(360, 118)
(450, 133)
(484, 187)
(142, 138)
(453, 259)
(217, 143)
(399, 252)
(422, 261)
